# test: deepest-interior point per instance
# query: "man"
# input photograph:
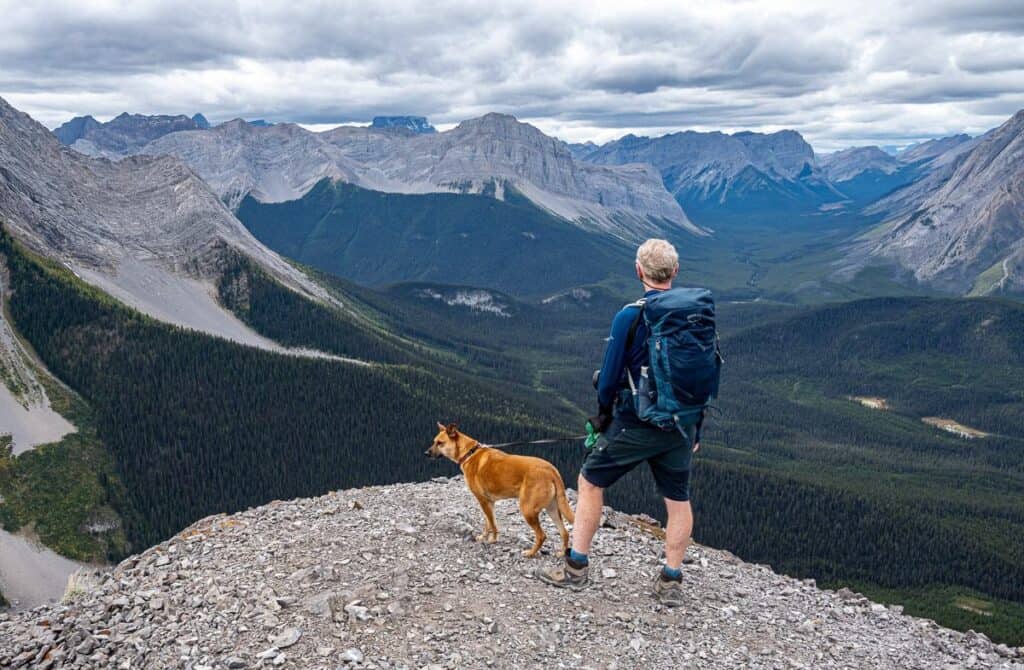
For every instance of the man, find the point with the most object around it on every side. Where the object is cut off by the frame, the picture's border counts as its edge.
(626, 441)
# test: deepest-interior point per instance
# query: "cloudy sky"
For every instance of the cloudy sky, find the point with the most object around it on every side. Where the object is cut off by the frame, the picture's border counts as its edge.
(841, 73)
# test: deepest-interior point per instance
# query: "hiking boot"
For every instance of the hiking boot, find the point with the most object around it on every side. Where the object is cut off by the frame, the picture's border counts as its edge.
(669, 592)
(565, 575)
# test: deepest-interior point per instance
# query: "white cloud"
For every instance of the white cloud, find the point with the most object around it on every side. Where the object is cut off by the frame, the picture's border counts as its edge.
(841, 74)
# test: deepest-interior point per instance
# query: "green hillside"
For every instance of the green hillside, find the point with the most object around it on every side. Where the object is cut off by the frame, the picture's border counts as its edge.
(378, 238)
(198, 425)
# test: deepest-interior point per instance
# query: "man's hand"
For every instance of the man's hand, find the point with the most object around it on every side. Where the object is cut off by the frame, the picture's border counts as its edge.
(601, 420)
(696, 447)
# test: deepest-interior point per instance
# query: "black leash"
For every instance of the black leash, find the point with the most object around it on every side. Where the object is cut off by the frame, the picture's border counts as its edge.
(522, 443)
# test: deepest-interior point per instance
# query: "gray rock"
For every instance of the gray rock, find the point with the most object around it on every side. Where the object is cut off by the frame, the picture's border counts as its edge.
(286, 638)
(352, 655)
(358, 612)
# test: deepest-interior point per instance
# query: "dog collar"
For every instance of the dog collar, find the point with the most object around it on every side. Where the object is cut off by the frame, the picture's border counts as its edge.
(472, 450)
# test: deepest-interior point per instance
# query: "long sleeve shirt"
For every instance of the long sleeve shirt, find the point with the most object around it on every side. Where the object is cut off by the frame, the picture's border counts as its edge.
(617, 359)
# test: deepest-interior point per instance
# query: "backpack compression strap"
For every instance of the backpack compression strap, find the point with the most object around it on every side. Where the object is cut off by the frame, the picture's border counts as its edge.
(629, 340)
(636, 322)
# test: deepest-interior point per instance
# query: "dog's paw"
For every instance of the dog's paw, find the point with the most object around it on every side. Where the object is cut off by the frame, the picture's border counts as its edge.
(529, 553)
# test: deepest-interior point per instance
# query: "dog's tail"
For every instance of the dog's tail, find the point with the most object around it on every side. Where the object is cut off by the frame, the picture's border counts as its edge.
(564, 508)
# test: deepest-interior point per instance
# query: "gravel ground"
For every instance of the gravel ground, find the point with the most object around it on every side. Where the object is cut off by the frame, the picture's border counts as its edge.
(389, 577)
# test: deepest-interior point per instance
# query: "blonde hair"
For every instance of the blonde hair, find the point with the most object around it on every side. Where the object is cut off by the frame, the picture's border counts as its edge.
(658, 259)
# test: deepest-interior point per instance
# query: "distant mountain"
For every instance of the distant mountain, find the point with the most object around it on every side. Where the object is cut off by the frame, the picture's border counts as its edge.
(127, 133)
(842, 165)
(260, 123)
(580, 151)
(200, 121)
(714, 175)
(415, 124)
(968, 233)
(865, 174)
(931, 149)
(271, 163)
(145, 229)
(75, 129)
(483, 155)
(930, 163)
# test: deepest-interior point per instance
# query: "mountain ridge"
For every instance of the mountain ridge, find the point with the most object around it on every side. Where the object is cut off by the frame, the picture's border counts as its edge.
(968, 234)
(282, 162)
(145, 229)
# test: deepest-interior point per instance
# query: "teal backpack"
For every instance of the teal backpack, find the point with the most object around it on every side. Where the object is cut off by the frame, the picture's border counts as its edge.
(685, 362)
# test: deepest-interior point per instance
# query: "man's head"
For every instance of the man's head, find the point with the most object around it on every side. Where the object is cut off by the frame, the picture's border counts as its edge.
(657, 263)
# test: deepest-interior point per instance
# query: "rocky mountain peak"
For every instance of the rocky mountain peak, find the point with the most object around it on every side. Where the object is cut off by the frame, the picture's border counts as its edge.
(502, 126)
(846, 164)
(413, 124)
(708, 170)
(200, 121)
(390, 576)
(75, 129)
(930, 149)
(125, 133)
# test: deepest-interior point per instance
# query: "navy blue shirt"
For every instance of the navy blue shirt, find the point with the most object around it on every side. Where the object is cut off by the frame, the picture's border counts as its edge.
(617, 360)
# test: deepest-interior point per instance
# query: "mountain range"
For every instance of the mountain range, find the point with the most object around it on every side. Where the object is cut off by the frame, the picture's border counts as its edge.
(486, 155)
(947, 211)
(679, 185)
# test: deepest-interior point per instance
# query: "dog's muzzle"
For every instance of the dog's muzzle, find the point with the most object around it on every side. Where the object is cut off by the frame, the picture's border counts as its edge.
(433, 453)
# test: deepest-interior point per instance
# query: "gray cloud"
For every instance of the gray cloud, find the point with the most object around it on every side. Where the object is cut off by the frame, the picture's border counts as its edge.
(870, 72)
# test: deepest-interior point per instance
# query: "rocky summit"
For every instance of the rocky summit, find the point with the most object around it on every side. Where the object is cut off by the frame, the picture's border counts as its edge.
(390, 577)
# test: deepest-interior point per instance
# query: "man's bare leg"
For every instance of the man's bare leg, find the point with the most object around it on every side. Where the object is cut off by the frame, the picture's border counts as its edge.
(572, 572)
(677, 531)
(589, 501)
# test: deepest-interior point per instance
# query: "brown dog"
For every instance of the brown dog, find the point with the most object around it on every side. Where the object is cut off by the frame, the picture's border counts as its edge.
(492, 475)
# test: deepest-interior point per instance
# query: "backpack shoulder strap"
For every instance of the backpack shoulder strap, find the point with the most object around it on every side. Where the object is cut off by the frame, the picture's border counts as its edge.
(636, 322)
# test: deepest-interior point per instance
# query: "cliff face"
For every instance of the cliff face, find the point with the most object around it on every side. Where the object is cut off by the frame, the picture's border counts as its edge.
(714, 169)
(389, 577)
(969, 233)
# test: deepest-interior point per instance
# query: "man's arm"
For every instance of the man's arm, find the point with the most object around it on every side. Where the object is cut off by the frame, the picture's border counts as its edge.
(614, 359)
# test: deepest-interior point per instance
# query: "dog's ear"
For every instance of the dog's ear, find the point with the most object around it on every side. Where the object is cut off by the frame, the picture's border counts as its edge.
(453, 430)
(441, 426)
